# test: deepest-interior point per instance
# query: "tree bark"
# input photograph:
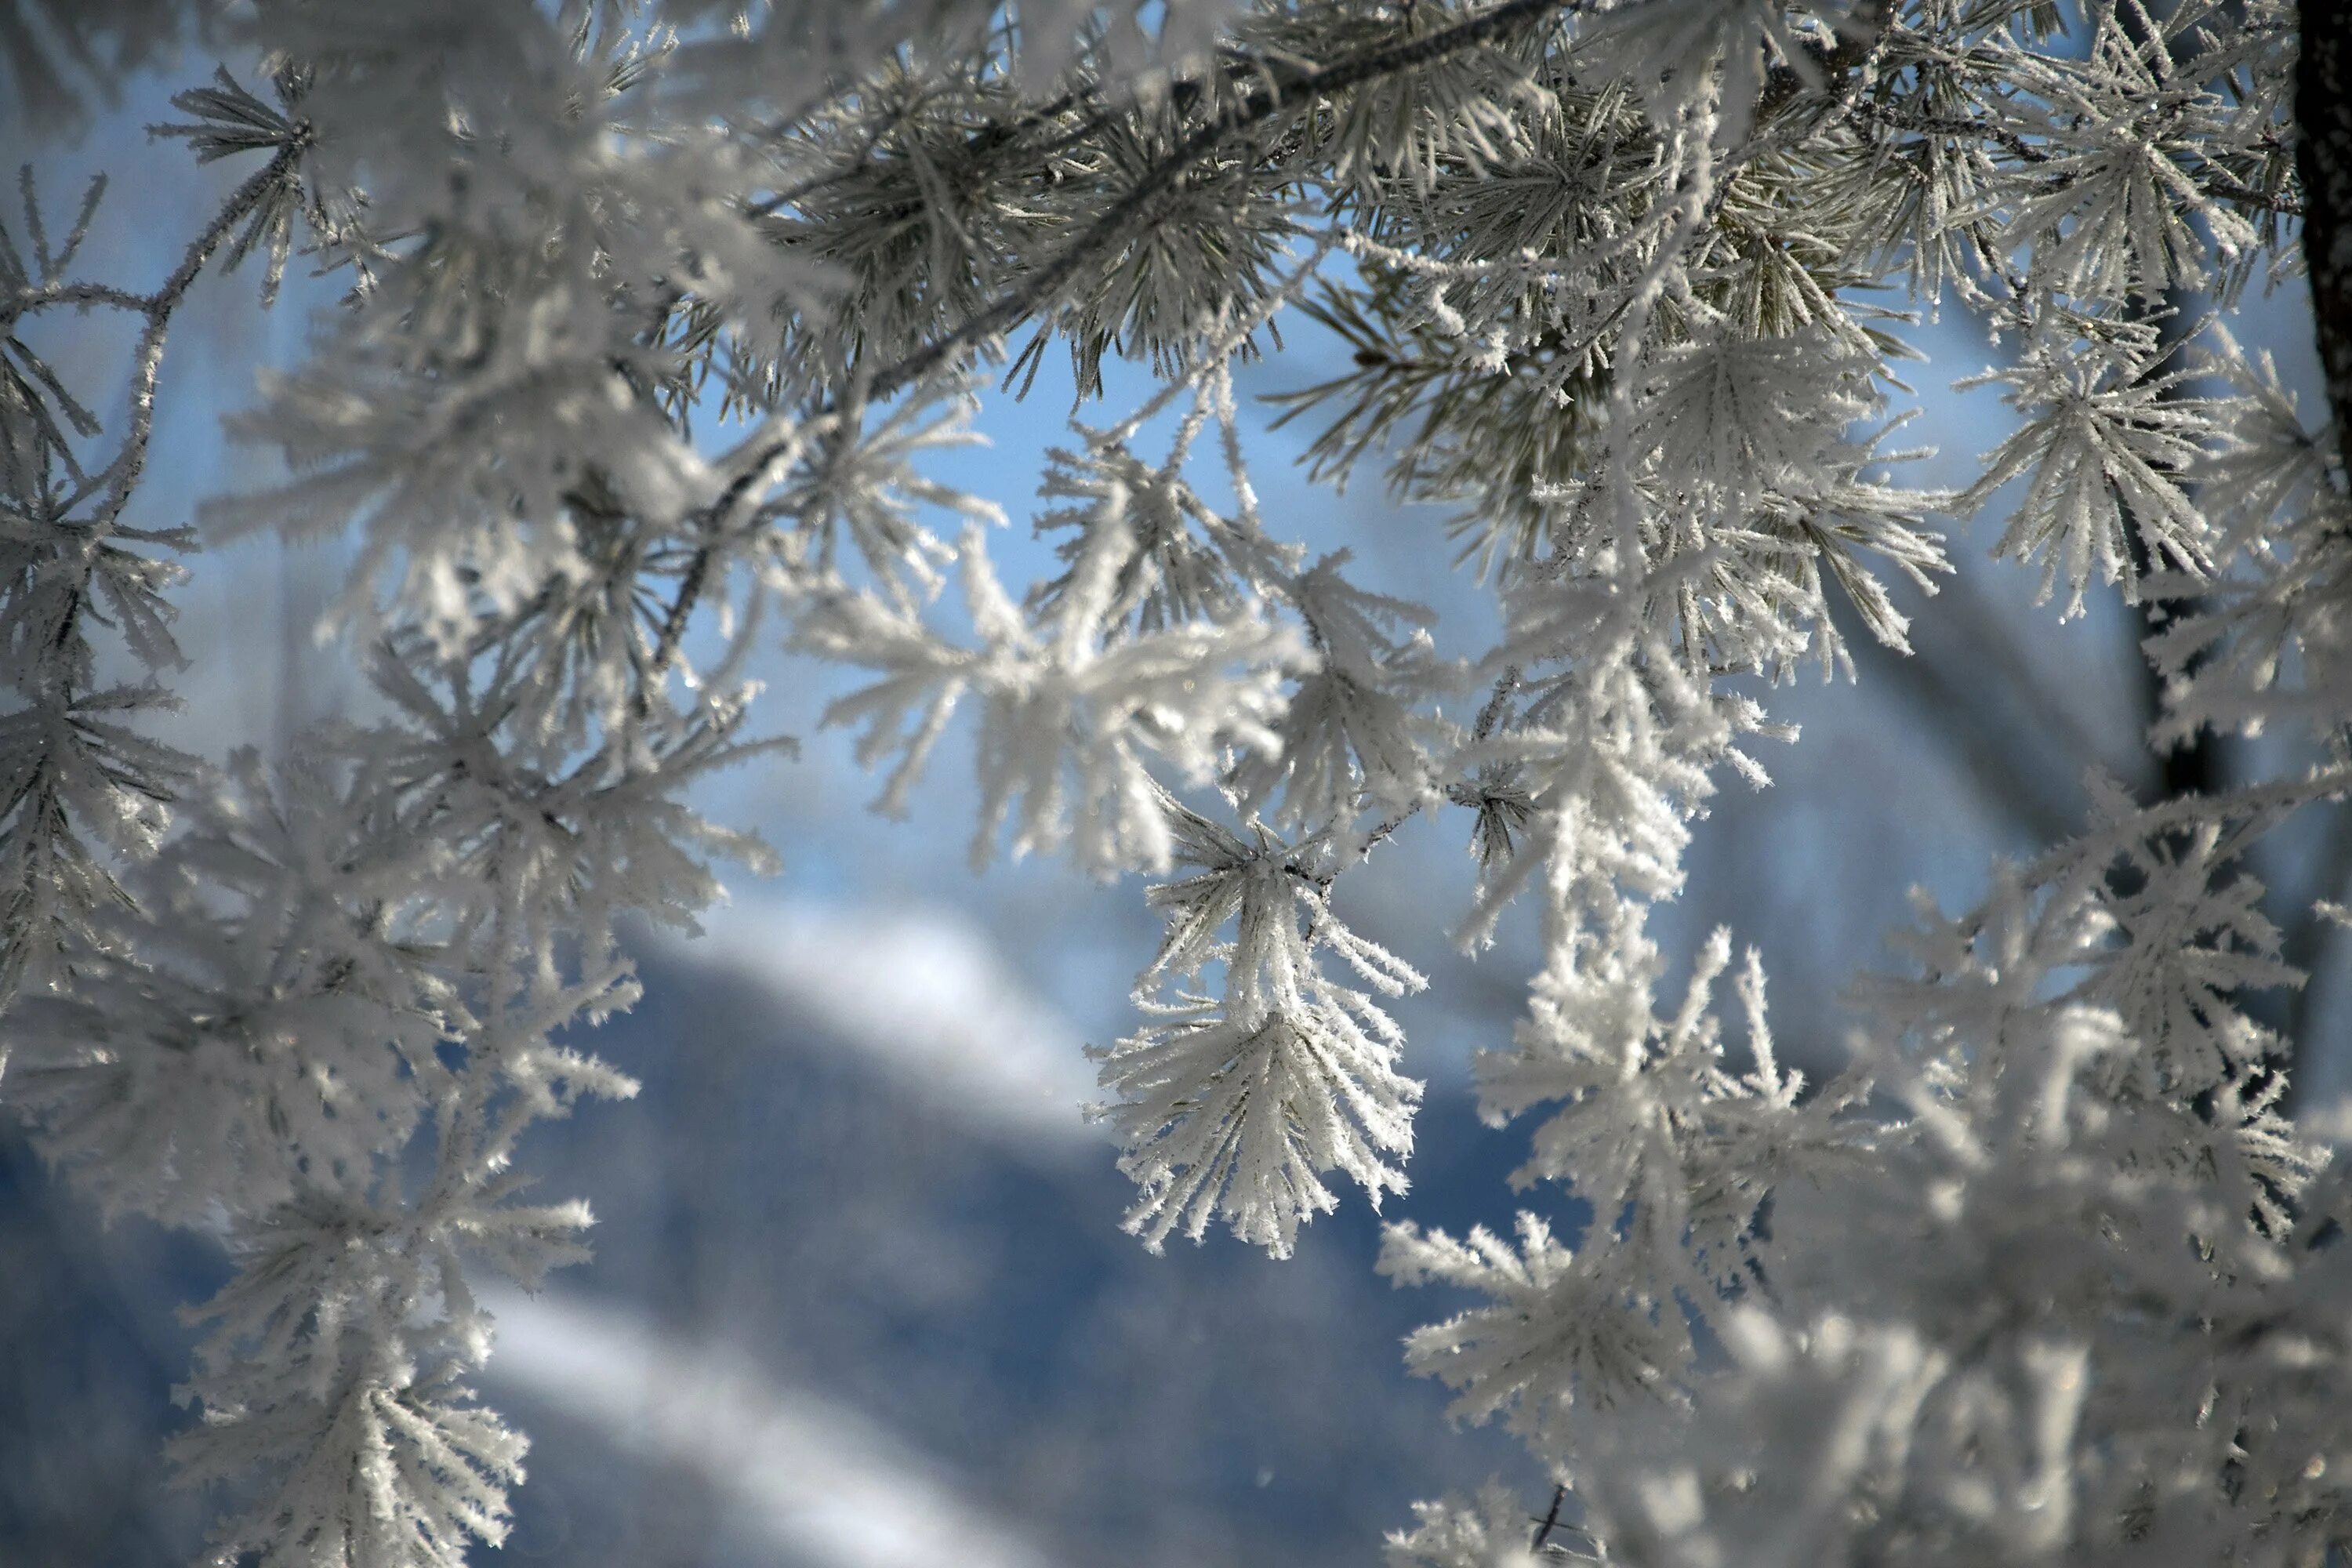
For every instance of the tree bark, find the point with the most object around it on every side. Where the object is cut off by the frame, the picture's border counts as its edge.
(2323, 163)
(2323, 160)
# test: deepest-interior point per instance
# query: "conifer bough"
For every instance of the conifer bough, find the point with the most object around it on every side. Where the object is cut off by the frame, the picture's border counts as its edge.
(647, 322)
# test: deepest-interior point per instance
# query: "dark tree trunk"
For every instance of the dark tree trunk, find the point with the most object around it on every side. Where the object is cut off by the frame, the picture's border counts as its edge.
(2323, 163)
(2323, 160)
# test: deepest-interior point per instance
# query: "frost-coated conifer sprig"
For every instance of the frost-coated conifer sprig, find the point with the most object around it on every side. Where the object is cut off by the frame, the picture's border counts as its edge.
(652, 316)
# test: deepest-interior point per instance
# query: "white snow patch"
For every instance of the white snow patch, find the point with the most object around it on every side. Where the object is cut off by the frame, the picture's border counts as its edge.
(928, 995)
(807, 1475)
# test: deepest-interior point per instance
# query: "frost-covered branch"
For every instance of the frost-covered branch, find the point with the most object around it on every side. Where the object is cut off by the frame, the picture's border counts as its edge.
(654, 331)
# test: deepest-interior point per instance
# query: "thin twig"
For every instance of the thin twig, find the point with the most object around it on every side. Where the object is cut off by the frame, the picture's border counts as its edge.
(1550, 1520)
(149, 361)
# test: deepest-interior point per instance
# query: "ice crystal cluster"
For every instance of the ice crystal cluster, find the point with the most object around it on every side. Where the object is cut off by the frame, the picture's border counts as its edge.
(650, 318)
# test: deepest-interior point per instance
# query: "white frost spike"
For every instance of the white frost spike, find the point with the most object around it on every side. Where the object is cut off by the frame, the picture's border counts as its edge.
(183, 1092)
(1355, 731)
(1559, 1324)
(1181, 561)
(398, 1472)
(2101, 440)
(1234, 1110)
(1672, 54)
(2117, 205)
(1742, 415)
(1489, 1530)
(1070, 711)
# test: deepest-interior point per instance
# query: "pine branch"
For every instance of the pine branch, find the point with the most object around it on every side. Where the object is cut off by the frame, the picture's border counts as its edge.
(1370, 66)
(1366, 66)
